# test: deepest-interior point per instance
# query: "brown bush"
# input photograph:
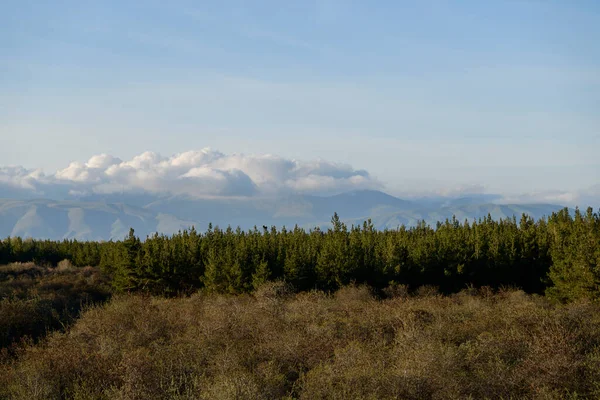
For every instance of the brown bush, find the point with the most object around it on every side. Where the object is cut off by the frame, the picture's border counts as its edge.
(65, 266)
(35, 300)
(13, 271)
(275, 344)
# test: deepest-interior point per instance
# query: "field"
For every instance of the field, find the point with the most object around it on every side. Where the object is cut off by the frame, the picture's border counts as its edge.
(274, 343)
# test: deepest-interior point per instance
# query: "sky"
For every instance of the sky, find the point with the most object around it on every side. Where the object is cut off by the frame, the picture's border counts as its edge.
(415, 97)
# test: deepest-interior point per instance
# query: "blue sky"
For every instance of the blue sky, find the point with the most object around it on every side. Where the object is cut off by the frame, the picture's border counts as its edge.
(425, 95)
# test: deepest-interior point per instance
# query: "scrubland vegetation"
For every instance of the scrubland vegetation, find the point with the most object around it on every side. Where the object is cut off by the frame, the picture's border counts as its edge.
(35, 299)
(277, 344)
(483, 309)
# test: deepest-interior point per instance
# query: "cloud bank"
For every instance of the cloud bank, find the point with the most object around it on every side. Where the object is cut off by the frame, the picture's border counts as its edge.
(194, 173)
(209, 173)
(588, 197)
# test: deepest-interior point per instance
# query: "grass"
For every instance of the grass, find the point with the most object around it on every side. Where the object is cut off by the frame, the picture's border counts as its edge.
(351, 344)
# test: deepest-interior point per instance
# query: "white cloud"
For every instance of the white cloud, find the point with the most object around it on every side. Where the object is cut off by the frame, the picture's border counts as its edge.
(209, 173)
(321, 183)
(102, 161)
(589, 197)
(76, 171)
(196, 173)
(19, 177)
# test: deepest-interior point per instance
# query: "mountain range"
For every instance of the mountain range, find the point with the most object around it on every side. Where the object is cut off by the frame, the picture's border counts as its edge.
(105, 217)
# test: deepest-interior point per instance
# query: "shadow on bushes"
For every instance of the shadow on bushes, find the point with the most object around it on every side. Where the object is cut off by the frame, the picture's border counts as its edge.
(277, 344)
(35, 300)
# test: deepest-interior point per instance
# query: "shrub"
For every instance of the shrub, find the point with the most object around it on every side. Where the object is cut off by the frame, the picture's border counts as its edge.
(35, 300)
(276, 344)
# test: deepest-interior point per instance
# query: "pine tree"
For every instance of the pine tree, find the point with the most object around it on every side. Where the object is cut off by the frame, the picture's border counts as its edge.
(261, 275)
(575, 270)
(126, 273)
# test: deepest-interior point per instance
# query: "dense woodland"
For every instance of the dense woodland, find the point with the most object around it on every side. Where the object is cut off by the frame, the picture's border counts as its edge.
(558, 255)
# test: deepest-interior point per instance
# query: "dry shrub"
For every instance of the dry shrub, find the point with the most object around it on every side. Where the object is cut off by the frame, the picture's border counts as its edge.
(274, 290)
(19, 266)
(35, 300)
(275, 344)
(65, 266)
(427, 291)
(20, 270)
(396, 290)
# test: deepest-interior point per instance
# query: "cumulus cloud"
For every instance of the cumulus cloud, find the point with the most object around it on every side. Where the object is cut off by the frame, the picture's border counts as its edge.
(583, 198)
(197, 173)
(19, 177)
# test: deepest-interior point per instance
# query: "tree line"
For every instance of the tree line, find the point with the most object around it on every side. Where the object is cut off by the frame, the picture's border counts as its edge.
(558, 255)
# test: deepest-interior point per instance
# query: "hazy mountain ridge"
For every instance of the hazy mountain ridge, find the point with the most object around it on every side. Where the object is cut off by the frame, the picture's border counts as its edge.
(96, 218)
(469, 212)
(80, 220)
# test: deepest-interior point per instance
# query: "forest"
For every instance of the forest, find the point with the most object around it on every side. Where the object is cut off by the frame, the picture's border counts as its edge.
(558, 256)
(473, 309)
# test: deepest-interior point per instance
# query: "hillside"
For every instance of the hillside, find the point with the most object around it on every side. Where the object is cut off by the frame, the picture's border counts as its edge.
(104, 218)
(81, 220)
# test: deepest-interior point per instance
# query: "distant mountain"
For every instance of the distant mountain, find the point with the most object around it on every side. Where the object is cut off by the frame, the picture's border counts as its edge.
(360, 203)
(438, 201)
(468, 212)
(81, 220)
(101, 217)
(289, 211)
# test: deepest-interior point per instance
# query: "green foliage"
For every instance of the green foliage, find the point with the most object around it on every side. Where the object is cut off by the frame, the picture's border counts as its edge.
(559, 255)
(261, 275)
(575, 272)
